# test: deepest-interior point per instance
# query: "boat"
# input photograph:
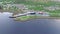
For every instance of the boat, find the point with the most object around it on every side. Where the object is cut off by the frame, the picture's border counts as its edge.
(12, 17)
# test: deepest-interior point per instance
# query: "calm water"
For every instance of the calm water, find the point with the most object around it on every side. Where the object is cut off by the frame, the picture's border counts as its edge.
(38, 26)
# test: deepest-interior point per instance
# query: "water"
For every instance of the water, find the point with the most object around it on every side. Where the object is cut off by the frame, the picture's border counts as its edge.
(38, 26)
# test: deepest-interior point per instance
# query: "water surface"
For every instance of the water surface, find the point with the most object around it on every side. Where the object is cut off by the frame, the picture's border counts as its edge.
(37, 26)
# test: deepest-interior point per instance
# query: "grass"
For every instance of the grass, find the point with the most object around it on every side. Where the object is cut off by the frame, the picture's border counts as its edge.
(36, 8)
(55, 14)
(24, 18)
(50, 3)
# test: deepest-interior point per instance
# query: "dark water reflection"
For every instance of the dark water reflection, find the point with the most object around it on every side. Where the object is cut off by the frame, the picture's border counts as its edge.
(38, 26)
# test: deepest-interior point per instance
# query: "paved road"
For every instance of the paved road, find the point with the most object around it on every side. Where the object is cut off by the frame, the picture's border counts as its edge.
(38, 26)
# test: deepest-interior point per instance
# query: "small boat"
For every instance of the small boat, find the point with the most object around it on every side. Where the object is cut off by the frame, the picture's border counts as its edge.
(12, 17)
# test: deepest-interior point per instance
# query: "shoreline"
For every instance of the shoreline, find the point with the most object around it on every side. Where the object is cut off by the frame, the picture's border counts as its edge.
(37, 18)
(43, 17)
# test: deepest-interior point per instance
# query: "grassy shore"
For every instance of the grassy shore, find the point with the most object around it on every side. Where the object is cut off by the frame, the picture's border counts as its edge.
(37, 6)
(26, 18)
